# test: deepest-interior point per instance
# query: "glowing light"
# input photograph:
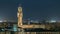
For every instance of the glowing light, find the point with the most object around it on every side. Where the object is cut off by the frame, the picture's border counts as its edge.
(2, 29)
(15, 27)
(53, 21)
(1, 21)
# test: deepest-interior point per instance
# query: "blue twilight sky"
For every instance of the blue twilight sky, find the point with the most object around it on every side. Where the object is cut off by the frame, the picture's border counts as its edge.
(33, 9)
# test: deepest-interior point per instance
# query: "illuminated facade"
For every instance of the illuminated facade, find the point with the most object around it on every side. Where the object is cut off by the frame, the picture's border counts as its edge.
(20, 23)
(20, 16)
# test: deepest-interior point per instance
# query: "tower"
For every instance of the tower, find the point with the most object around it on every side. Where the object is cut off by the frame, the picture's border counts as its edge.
(19, 15)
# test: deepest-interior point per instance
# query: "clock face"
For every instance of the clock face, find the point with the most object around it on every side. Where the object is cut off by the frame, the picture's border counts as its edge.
(20, 9)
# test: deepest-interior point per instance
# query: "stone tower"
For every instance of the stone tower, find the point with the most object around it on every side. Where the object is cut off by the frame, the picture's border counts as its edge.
(20, 15)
